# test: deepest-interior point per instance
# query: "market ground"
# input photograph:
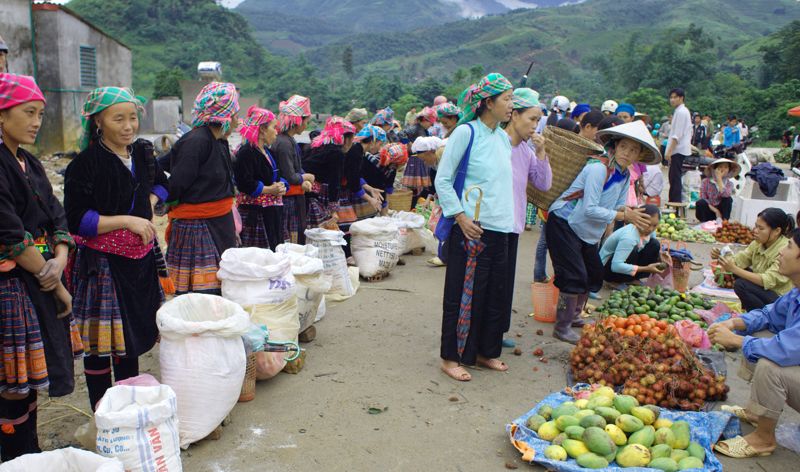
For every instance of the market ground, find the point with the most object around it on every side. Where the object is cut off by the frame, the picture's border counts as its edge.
(380, 349)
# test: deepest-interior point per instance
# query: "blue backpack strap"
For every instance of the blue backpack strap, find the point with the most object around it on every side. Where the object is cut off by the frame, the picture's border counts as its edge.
(461, 171)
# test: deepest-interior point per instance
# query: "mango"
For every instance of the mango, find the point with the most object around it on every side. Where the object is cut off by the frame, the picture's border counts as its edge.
(644, 414)
(629, 424)
(662, 423)
(617, 435)
(563, 421)
(556, 453)
(598, 441)
(592, 461)
(574, 447)
(604, 392)
(598, 401)
(559, 439)
(608, 414)
(582, 403)
(660, 450)
(548, 431)
(581, 414)
(682, 437)
(665, 436)
(545, 411)
(565, 409)
(690, 463)
(633, 455)
(663, 463)
(656, 410)
(645, 436)
(574, 432)
(678, 455)
(696, 450)
(535, 422)
(624, 403)
(593, 420)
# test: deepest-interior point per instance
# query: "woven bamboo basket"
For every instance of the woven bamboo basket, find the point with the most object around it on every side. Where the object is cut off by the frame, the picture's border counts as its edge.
(249, 385)
(568, 153)
(400, 200)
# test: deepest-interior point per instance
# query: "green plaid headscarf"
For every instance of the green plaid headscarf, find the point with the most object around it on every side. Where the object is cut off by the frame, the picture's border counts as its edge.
(216, 103)
(525, 98)
(101, 98)
(470, 99)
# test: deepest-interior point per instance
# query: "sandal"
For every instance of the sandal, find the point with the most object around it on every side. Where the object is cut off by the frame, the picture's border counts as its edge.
(740, 413)
(493, 364)
(457, 373)
(435, 262)
(738, 448)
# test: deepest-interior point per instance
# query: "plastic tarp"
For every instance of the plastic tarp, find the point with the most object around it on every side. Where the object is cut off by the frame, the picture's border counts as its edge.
(706, 429)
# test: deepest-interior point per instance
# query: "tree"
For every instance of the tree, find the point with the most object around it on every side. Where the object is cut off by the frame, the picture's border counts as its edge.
(781, 53)
(347, 60)
(404, 104)
(649, 101)
(167, 83)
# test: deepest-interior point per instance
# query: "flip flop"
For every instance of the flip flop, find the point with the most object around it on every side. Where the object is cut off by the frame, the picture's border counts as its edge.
(435, 262)
(739, 412)
(738, 448)
(493, 364)
(457, 373)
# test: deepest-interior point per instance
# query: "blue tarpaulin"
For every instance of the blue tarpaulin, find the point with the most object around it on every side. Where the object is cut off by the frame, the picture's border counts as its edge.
(706, 429)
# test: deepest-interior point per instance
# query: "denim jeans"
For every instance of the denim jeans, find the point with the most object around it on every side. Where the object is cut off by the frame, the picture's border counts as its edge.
(540, 262)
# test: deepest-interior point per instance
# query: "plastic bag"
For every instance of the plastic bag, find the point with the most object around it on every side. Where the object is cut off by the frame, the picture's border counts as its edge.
(143, 380)
(203, 359)
(321, 310)
(716, 313)
(139, 426)
(692, 334)
(329, 243)
(68, 459)
(283, 324)
(255, 338)
(253, 275)
(410, 226)
(431, 244)
(691, 186)
(376, 246)
(663, 279)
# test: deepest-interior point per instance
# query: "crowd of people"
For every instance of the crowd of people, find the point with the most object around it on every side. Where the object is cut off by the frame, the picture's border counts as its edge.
(85, 279)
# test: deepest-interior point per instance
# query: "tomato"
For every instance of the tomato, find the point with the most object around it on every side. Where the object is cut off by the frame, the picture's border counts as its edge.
(629, 333)
(620, 322)
(620, 331)
(637, 329)
(662, 325)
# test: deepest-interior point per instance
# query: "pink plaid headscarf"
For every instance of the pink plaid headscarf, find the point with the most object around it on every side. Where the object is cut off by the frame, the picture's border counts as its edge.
(292, 111)
(18, 89)
(217, 102)
(441, 99)
(256, 117)
(429, 114)
(333, 133)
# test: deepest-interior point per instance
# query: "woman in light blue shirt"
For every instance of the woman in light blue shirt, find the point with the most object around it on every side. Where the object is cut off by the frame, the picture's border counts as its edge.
(485, 105)
(633, 253)
(581, 215)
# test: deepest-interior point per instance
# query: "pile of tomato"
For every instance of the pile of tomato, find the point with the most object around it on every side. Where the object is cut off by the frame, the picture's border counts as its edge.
(638, 325)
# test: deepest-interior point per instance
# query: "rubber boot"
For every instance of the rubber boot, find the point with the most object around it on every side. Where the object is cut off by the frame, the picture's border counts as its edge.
(565, 314)
(578, 321)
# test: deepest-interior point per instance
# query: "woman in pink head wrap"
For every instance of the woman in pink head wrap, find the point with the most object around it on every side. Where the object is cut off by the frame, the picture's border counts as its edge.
(416, 176)
(260, 187)
(34, 246)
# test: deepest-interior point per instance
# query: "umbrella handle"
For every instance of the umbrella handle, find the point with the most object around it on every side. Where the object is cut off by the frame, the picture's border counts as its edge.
(478, 203)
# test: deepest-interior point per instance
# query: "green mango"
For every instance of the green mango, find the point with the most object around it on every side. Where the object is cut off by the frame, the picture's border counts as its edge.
(574, 447)
(565, 409)
(665, 436)
(624, 403)
(696, 450)
(608, 414)
(629, 424)
(546, 411)
(644, 436)
(663, 463)
(535, 422)
(690, 463)
(598, 441)
(556, 453)
(660, 450)
(633, 455)
(682, 437)
(574, 432)
(562, 422)
(593, 420)
(592, 461)
(679, 454)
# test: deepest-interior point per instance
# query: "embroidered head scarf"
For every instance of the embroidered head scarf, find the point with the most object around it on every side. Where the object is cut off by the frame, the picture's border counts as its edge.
(395, 154)
(256, 118)
(335, 129)
(447, 109)
(384, 117)
(292, 111)
(370, 131)
(217, 102)
(429, 114)
(18, 89)
(525, 98)
(492, 85)
(357, 114)
(101, 98)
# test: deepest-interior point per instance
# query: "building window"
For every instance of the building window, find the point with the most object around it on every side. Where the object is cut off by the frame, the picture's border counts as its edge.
(88, 61)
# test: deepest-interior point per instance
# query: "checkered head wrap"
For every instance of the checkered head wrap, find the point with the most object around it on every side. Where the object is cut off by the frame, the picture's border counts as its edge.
(335, 129)
(395, 154)
(357, 114)
(216, 103)
(429, 114)
(447, 109)
(292, 111)
(525, 98)
(101, 98)
(383, 117)
(256, 118)
(492, 85)
(18, 89)
(370, 131)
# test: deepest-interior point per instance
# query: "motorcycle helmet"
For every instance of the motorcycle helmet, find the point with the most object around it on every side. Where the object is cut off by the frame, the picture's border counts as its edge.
(609, 106)
(559, 104)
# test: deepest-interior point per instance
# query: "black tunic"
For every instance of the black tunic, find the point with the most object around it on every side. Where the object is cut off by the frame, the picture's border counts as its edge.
(97, 180)
(250, 168)
(201, 166)
(378, 177)
(20, 212)
(287, 154)
(328, 164)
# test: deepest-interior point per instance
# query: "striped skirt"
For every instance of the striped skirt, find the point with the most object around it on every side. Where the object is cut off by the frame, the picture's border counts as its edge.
(192, 258)
(352, 209)
(294, 219)
(24, 365)
(417, 175)
(318, 208)
(261, 226)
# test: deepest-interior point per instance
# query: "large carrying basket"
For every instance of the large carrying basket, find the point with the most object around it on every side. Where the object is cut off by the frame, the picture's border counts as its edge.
(568, 153)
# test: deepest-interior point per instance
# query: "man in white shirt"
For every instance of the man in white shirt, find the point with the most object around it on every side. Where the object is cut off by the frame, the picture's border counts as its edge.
(679, 144)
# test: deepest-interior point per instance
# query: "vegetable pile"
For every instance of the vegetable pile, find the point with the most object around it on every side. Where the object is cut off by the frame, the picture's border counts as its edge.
(723, 279)
(659, 303)
(606, 427)
(676, 229)
(734, 232)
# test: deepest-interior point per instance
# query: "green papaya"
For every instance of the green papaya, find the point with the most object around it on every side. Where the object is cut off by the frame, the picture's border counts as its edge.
(574, 447)
(624, 403)
(592, 461)
(665, 436)
(593, 420)
(574, 432)
(566, 420)
(535, 422)
(629, 424)
(663, 463)
(645, 436)
(682, 434)
(598, 441)
(690, 463)
(696, 450)
(660, 450)
(608, 414)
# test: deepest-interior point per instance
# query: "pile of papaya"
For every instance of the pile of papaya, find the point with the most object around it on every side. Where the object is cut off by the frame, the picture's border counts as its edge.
(658, 303)
(606, 428)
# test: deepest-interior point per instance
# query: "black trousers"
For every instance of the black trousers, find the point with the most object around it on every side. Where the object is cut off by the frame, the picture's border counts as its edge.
(675, 174)
(649, 254)
(513, 245)
(753, 296)
(19, 427)
(704, 213)
(489, 294)
(97, 371)
(577, 265)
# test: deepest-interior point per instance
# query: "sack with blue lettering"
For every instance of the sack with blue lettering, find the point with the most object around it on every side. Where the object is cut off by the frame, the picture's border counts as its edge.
(139, 427)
